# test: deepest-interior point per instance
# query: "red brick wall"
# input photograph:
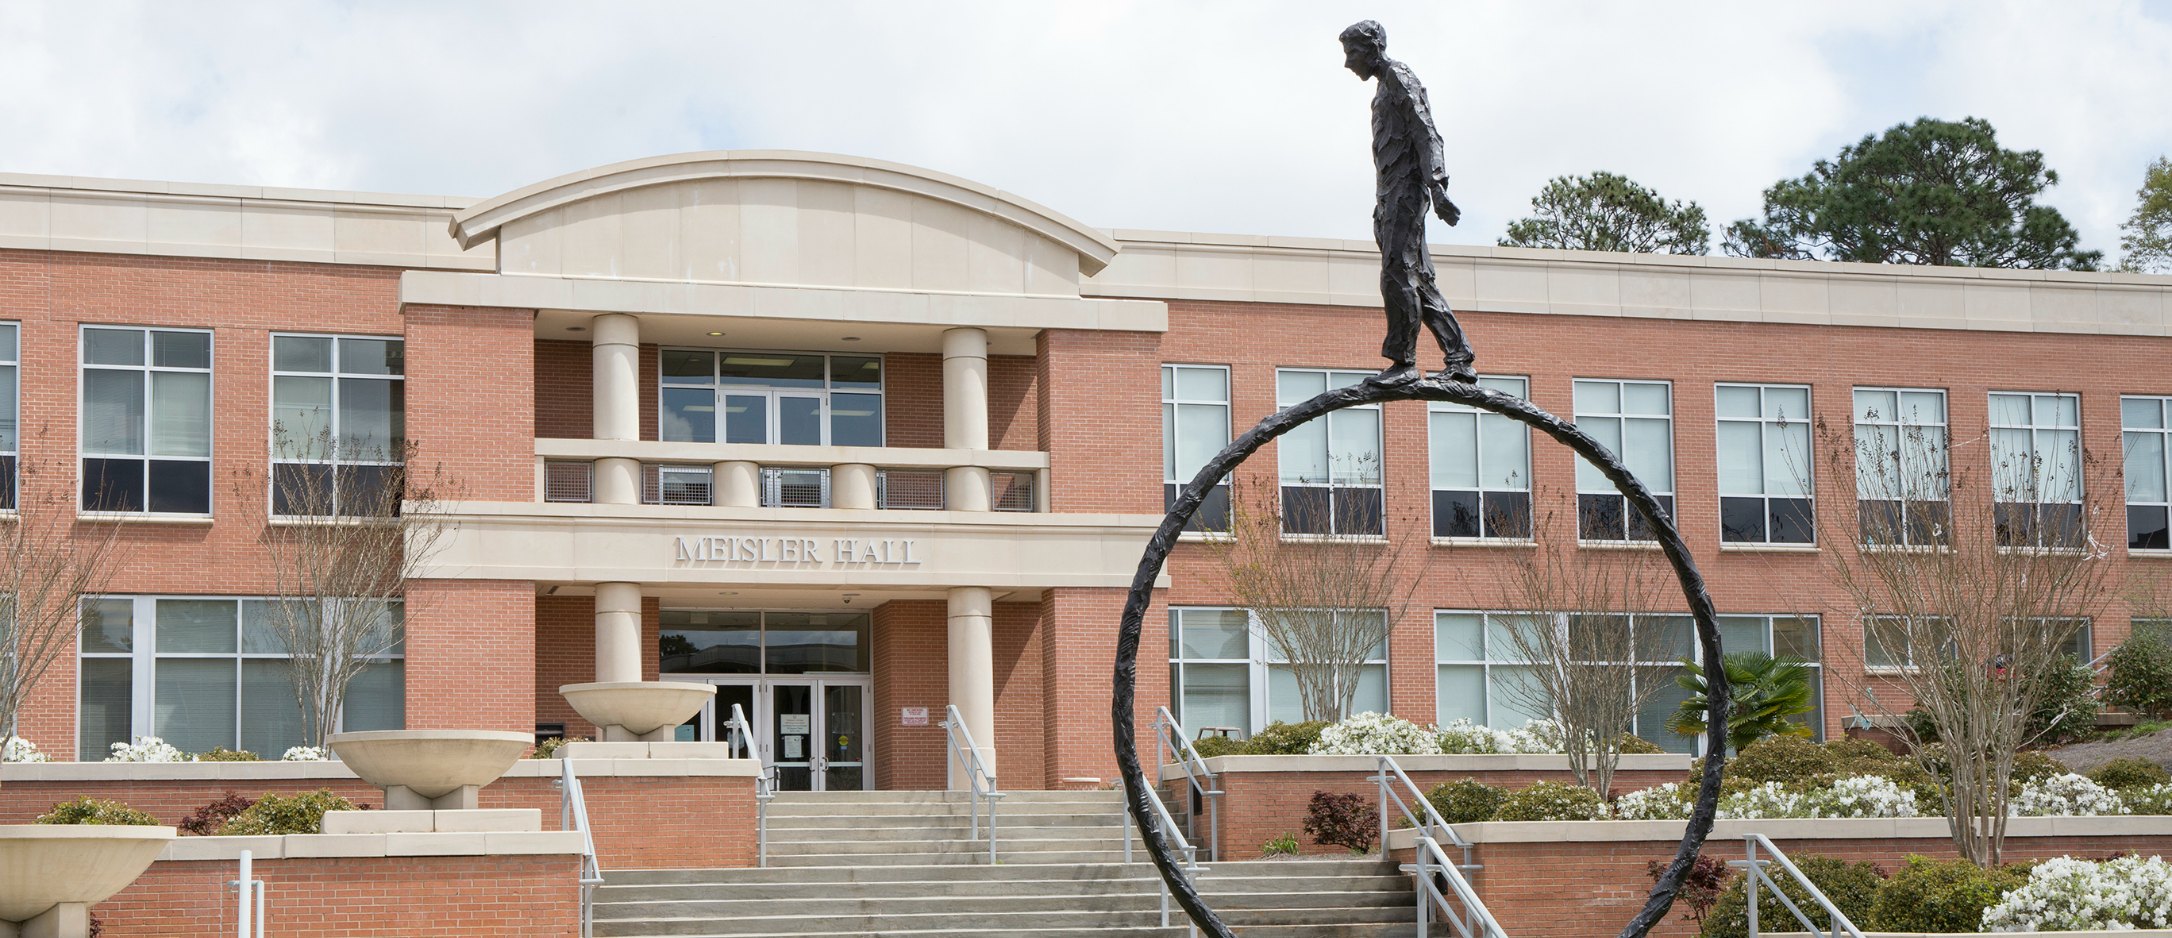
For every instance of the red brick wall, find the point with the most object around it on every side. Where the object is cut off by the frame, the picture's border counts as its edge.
(913, 392)
(912, 669)
(1098, 416)
(1021, 749)
(564, 389)
(565, 653)
(357, 897)
(471, 654)
(1014, 406)
(1078, 653)
(470, 397)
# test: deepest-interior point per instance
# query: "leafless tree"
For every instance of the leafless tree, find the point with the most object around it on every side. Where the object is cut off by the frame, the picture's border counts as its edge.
(1593, 654)
(53, 563)
(351, 523)
(1974, 566)
(1323, 585)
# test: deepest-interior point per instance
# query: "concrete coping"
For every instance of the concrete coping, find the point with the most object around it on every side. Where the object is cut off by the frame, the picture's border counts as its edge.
(456, 821)
(240, 772)
(1663, 762)
(347, 846)
(2143, 933)
(1793, 829)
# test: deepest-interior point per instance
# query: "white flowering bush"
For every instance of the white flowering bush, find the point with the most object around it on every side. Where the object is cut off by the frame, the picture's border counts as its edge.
(1863, 796)
(1668, 802)
(2151, 799)
(1466, 737)
(1372, 734)
(2066, 894)
(1769, 800)
(2067, 794)
(18, 749)
(303, 754)
(147, 749)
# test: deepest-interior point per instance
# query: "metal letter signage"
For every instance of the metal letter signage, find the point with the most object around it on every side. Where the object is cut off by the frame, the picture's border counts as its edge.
(796, 551)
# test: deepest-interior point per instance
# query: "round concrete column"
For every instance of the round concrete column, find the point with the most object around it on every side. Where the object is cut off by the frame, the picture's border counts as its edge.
(852, 485)
(965, 488)
(618, 632)
(616, 411)
(972, 669)
(965, 389)
(738, 484)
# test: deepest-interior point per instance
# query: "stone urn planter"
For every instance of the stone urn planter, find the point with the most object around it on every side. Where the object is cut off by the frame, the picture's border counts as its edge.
(51, 874)
(430, 769)
(637, 711)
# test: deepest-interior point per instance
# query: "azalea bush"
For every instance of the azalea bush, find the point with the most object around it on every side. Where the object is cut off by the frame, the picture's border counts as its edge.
(2065, 795)
(285, 814)
(1553, 801)
(88, 810)
(1369, 734)
(2066, 894)
(1342, 820)
(223, 754)
(1536, 736)
(2129, 773)
(1940, 896)
(1466, 801)
(1668, 802)
(304, 754)
(147, 749)
(18, 749)
(2153, 799)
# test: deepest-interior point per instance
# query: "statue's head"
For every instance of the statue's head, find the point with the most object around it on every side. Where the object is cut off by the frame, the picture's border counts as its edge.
(1364, 45)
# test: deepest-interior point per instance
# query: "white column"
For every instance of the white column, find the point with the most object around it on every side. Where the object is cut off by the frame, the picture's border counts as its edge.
(618, 631)
(852, 485)
(972, 668)
(965, 415)
(738, 484)
(616, 415)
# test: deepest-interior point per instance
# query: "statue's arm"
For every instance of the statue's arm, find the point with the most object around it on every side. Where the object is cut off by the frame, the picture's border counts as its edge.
(1430, 150)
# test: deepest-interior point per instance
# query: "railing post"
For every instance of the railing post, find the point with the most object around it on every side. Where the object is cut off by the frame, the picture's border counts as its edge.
(242, 918)
(1753, 885)
(1382, 768)
(1425, 878)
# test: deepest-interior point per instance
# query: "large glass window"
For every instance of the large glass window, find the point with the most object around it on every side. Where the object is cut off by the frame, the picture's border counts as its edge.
(1896, 642)
(2036, 469)
(146, 420)
(10, 409)
(698, 641)
(1782, 636)
(1482, 676)
(711, 396)
(338, 422)
(1900, 466)
(1635, 421)
(1225, 673)
(1764, 464)
(1481, 466)
(1194, 427)
(2145, 425)
(1330, 467)
(202, 672)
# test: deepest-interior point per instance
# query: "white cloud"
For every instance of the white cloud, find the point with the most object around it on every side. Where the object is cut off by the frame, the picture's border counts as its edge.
(1220, 116)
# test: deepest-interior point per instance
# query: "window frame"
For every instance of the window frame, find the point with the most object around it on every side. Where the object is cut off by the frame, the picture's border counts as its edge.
(1259, 667)
(11, 454)
(1379, 489)
(1765, 427)
(1172, 406)
(335, 376)
(718, 388)
(83, 368)
(2163, 433)
(2036, 529)
(865, 647)
(1907, 520)
(1478, 459)
(1630, 520)
(1560, 620)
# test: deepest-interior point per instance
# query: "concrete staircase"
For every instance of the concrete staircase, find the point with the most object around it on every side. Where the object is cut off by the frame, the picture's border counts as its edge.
(903, 864)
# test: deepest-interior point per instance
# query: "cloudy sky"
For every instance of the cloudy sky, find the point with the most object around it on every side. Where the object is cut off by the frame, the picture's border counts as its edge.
(1209, 116)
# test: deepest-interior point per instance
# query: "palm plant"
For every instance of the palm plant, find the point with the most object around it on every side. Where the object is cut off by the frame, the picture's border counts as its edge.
(1766, 690)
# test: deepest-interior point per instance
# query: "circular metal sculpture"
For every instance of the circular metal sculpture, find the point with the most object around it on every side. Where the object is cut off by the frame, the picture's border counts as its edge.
(1136, 784)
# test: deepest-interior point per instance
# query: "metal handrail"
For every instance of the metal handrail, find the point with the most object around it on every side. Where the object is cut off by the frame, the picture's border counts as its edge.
(573, 816)
(1476, 920)
(1169, 829)
(249, 920)
(739, 736)
(964, 752)
(1169, 735)
(1755, 869)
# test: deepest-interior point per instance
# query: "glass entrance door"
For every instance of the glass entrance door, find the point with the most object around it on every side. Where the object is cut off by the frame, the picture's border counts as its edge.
(844, 737)
(818, 735)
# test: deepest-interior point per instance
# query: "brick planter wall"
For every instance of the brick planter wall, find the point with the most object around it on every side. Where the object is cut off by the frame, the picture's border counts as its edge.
(359, 897)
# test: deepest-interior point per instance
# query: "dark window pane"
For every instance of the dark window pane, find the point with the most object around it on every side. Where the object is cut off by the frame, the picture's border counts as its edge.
(372, 356)
(2060, 525)
(2014, 523)
(801, 643)
(1455, 514)
(7, 482)
(711, 650)
(181, 349)
(113, 484)
(301, 353)
(302, 489)
(371, 490)
(1359, 511)
(1306, 509)
(181, 487)
(775, 369)
(104, 708)
(683, 367)
(1213, 513)
(856, 420)
(1794, 521)
(1880, 521)
(1508, 514)
(2149, 527)
(1599, 518)
(689, 415)
(1638, 530)
(855, 370)
(1928, 522)
(746, 419)
(1742, 520)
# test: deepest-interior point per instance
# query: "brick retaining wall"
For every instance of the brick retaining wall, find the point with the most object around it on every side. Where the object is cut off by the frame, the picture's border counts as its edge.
(359, 897)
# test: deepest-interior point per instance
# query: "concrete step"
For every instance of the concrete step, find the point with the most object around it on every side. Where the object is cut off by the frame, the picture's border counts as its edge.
(1004, 819)
(1006, 846)
(803, 891)
(1006, 832)
(1232, 875)
(974, 858)
(1177, 931)
(1108, 798)
(1025, 896)
(835, 919)
(874, 809)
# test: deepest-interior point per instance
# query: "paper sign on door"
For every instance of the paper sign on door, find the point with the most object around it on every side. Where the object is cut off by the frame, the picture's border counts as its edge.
(793, 724)
(791, 748)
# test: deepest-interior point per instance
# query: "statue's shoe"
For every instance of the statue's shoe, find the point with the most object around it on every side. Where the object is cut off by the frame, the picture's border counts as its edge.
(1394, 377)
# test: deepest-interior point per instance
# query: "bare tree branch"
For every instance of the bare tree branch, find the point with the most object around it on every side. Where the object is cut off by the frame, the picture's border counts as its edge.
(53, 563)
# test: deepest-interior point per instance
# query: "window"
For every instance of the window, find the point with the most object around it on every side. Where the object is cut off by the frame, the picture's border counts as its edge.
(2145, 425)
(1225, 673)
(1635, 421)
(1887, 644)
(201, 672)
(709, 396)
(1194, 427)
(338, 425)
(1782, 636)
(1481, 465)
(1481, 677)
(675, 485)
(10, 404)
(1764, 464)
(146, 420)
(695, 641)
(1331, 466)
(1900, 466)
(2036, 469)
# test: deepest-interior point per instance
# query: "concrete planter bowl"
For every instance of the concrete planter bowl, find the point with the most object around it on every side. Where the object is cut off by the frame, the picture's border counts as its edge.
(644, 711)
(57, 871)
(430, 769)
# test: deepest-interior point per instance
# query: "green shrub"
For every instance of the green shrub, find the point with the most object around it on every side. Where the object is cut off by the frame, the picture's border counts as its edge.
(207, 820)
(1783, 759)
(1285, 739)
(1283, 846)
(87, 810)
(548, 749)
(1552, 801)
(2141, 674)
(1212, 746)
(1939, 896)
(1800, 765)
(286, 814)
(1467, 801)
(2067, 711)
(1852, 887)
(223, 754)
(2129, 773)
(1630, 744)
(2155, 800)
(2030, 765)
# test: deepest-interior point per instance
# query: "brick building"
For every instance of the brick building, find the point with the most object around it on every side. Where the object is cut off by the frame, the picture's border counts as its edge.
(856, 441)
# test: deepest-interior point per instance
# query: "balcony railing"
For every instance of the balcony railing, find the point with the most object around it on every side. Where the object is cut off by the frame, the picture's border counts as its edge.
(796, 476)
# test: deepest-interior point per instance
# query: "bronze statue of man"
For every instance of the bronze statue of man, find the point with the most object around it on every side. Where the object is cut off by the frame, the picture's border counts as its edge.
(1411, 179)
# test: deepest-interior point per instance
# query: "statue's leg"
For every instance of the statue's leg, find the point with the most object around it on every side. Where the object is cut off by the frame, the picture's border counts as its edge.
(1399, 294)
